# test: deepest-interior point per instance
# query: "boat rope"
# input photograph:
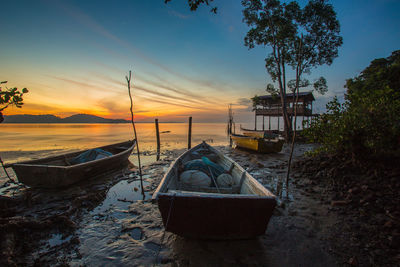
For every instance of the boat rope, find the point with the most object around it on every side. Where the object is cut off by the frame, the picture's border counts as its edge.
(5, 170)
(166, 225)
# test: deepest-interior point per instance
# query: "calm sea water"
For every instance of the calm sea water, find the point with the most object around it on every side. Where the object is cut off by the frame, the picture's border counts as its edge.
(35, 137)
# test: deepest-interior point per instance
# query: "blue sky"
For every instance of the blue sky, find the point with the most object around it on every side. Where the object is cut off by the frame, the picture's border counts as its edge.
(74, 55)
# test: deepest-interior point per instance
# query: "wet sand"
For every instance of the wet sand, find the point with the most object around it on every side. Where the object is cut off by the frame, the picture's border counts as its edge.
(106, 222)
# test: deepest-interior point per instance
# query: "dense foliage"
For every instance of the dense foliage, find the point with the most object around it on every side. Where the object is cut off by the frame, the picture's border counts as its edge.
(9, 97)
(368, 121)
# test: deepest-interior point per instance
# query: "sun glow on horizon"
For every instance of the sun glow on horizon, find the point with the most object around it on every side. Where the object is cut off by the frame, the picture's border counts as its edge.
(111, 100)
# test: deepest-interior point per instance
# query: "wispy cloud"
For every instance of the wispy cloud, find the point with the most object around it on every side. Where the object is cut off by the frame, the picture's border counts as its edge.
(177, 14)
(171, 103)
(195, 98)
(83, 84)
(172, 97)
(96, 27)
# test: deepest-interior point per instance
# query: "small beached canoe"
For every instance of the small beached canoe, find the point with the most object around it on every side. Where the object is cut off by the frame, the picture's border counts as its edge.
(67, 169)
(269, 134)
(261, 145)
(239, 211)
(261, 134)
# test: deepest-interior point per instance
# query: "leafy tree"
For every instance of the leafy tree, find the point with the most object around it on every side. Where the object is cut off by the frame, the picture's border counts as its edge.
(368, 121)
(299, 38)
(9, 97)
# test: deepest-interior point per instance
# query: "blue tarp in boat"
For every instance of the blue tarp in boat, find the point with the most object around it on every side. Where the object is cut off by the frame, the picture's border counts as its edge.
(205, 165)
(89, 155)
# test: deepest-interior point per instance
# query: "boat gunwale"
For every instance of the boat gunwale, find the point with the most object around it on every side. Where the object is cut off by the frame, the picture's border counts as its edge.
(27, 163)
(189, 194)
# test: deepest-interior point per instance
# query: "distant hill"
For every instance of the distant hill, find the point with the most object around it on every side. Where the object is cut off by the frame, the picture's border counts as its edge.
(78, 118)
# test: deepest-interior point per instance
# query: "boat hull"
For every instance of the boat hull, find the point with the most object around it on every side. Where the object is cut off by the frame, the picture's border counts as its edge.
(37, 173)
(260, 145)
(261, 134)
(240, 212)
(222, 218)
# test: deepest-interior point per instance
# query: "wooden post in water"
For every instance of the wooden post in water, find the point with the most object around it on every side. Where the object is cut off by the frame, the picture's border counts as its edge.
(158, 139)
(190, 133)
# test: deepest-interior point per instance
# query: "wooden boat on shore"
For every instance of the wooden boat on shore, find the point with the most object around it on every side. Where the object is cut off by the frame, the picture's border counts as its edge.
(269, 134)
(261, 145)
(240, 211)
(61, 171)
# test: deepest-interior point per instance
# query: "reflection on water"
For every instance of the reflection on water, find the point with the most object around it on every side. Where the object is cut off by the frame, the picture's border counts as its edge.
(36, 137)
(121, 195)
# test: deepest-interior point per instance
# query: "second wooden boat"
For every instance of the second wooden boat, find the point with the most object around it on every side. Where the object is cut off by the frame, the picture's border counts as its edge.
(240, 211)
(61, 171)
(261, 145)
(269, 134)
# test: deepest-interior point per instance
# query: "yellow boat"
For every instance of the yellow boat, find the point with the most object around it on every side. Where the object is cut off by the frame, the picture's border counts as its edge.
(260, 145)
(260, 133)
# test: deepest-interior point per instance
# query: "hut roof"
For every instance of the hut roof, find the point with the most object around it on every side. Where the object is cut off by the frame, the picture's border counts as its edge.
(304, 96)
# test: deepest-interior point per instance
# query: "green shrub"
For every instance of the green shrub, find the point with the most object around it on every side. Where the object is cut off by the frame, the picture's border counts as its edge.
(369, 119)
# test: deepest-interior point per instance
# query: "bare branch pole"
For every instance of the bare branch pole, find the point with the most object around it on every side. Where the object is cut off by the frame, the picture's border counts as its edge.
(128, 80)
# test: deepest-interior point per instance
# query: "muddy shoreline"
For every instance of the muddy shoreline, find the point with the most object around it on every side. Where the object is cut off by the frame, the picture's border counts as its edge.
(106, 221)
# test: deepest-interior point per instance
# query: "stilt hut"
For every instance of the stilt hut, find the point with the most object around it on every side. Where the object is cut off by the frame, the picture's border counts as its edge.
(270, 106)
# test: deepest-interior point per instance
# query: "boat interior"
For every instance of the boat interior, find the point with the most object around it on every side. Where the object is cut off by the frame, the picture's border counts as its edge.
(64, 160)
(243, 184)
